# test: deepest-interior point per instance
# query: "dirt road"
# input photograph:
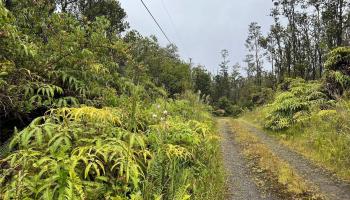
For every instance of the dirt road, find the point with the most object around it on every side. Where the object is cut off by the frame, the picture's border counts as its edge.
(241, 183)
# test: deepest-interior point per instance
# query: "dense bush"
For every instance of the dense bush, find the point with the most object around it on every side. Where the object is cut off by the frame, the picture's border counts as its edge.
(262, 97)
(294, 104)
(337, 75)
(91, 153)
(58, 59)
(93, 117)
(297, 98)
(227, 108)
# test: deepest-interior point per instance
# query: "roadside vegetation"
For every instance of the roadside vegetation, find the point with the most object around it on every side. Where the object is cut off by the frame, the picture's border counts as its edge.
(92, 153)
(313, 117)
(87, 113)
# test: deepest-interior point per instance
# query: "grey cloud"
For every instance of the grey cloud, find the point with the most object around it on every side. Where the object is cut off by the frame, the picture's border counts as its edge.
(203, 27)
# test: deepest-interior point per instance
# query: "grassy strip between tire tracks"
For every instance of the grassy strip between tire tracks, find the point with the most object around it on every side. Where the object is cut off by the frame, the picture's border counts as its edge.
(269, 170)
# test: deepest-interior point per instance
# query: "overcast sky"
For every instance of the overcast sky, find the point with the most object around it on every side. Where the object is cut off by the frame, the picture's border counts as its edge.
(201, 28)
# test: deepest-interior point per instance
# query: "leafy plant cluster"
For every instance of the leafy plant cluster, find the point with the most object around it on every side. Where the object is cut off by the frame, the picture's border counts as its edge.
(313, 117)
(294, 103)
(298, 99)
(94, 153)
(54, 57)
(337, 76)
(92, 110)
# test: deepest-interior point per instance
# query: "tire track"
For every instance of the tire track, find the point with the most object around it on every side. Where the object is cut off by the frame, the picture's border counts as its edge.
(332, 187)
(240, 184)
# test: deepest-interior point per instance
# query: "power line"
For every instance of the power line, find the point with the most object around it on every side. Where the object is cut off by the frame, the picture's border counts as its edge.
(154, 19)
(170, 18)
(178, 36)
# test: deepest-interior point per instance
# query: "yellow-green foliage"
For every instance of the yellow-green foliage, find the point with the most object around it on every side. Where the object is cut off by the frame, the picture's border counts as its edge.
(75, 154)
(337, 75)
(91, 153)
(99, 131)
(294, 104)
(55, 59)
(338, 58)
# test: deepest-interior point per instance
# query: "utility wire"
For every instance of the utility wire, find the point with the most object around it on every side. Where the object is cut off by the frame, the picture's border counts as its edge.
(179, 39)
(171, 19)
(154, 19)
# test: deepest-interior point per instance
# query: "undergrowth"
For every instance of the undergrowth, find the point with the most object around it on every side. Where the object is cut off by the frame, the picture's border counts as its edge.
(111, 153)
(294, 103)
(92, 111)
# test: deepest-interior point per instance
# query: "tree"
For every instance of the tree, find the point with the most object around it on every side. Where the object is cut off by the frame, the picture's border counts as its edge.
(222, 80)
(91, 9)
(334, 18)
(313, 28)
(111, 9)
(235, 80)
(201, 80)
(253, 44)
(162, 65)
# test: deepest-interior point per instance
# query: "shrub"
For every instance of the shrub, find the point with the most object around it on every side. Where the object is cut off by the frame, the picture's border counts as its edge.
(265, 95)
(74, 153)
(92, 112)
(294, 105)
(337, 75)
(229, 108)
(92, 153)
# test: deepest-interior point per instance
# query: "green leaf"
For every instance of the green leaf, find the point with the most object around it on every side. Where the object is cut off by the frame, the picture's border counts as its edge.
(87, 170)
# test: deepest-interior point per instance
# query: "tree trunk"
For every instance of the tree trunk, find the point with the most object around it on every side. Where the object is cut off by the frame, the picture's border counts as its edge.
(340, 23)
